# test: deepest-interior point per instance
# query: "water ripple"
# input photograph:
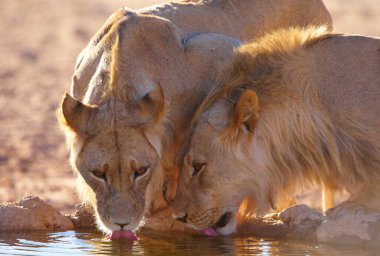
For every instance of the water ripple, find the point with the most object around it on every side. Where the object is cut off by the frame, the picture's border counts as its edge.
(151, 243)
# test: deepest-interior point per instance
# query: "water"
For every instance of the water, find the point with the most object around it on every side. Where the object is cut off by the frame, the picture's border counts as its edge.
(160, 243)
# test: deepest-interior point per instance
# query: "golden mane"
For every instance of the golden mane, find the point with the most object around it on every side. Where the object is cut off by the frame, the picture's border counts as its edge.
(272, 66)
(253, 57)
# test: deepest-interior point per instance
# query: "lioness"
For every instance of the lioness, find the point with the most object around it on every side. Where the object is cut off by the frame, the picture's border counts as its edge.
(297, 106)
(242, 19)
(135, 86)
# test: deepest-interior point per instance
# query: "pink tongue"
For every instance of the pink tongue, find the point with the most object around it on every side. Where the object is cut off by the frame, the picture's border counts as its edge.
(210, 232)
(123, 234)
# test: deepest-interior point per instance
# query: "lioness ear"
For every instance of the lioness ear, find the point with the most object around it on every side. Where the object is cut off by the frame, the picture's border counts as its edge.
(247, 111)
(76, 115)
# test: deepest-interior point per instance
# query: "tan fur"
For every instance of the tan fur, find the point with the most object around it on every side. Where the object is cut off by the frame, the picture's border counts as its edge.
(243, 19)
(141, 76)
(303, 134)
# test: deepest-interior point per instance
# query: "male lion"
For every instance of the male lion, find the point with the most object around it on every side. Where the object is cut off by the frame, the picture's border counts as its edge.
(137, 83)
(297, 106)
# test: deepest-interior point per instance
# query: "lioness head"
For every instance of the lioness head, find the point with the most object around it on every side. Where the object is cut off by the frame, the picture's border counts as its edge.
(215, 176)
(117, 182)
(122, 130)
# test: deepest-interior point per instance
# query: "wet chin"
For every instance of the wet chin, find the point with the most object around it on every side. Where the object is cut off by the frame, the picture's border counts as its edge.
(106, 227)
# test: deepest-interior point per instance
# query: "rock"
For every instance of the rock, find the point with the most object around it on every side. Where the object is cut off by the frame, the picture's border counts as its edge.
(289, 214)
(302, 221)
(83, 217)
(351, 227)
(32, 213)
(298, 221)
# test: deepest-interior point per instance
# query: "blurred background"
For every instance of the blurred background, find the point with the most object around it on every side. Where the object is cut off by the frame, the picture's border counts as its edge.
(39, 42)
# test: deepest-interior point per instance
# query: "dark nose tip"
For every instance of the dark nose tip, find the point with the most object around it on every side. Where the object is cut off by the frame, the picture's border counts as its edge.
(122, 224)
(182, 219)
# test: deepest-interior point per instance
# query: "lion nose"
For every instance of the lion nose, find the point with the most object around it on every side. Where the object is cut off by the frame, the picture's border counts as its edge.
(182, 219)
(122, 224)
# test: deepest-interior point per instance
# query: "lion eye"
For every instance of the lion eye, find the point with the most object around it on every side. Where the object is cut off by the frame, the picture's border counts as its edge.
(99, 174)
(197, 167)
(140, 172)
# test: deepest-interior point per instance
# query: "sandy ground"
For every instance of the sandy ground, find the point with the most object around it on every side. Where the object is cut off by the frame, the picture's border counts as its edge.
(39, 42)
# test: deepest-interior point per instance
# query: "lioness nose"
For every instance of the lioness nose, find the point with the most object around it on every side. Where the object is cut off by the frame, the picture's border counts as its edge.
(122, 224)
(182, 219)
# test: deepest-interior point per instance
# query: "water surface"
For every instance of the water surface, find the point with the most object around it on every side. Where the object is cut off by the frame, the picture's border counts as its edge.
(159, 243)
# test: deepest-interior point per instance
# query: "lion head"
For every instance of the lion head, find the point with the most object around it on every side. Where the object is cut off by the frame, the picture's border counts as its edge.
(214, 165)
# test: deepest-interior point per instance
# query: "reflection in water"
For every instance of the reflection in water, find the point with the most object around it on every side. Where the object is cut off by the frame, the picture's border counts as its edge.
(154, 243)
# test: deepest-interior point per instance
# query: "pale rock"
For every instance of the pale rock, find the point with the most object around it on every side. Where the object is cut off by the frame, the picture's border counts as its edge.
(351, 227)
(83, 217)
(31, 213)
(302, 221)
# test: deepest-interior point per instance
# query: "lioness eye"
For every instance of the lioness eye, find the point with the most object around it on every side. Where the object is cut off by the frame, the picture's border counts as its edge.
(197, 167)
(99, 174)
(140, 172)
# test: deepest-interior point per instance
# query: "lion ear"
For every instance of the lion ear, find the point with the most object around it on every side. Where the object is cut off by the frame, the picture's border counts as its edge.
(76, 115)
(247, 111)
